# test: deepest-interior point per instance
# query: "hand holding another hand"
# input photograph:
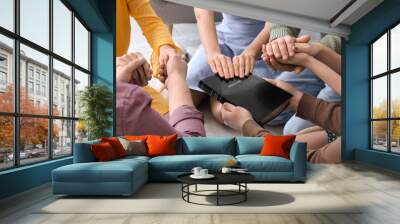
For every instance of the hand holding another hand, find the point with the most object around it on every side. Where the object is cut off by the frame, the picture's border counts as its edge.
(133, 68)
(281, 49)
(312, 49)
(166, 52)
(176, 65)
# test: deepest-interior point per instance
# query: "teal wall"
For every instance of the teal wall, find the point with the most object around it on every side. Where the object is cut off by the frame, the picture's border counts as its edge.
(103, 53)
(99, 16)
(24, 178)
(356, 99)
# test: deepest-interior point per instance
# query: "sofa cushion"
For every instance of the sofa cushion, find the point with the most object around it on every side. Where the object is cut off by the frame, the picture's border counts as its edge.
(257, 163)
(83, 152)
(161, 145)
(206, 145)
(116, 145)
(131, 159)
(277, 145)
(185, 163)
(112, 171)
(249, 145)
(135, 147)
(136, 137)
(103, 152)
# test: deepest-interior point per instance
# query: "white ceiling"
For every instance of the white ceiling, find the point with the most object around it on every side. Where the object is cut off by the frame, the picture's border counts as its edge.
(316, 15)
(321, 9)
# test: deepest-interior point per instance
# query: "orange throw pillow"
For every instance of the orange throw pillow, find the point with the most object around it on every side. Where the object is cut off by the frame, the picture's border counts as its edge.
(116, 145)
(103, 152)
(161, 145)
(136, 138)
(277, 145)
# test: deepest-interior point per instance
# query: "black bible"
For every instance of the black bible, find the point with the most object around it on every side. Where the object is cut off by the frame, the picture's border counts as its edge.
(264, 100)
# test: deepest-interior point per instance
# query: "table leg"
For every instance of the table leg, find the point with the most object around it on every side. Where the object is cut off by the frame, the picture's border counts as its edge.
(245, 193)
(196, 187)
(182, 188)
(217, 194)
(188, 189)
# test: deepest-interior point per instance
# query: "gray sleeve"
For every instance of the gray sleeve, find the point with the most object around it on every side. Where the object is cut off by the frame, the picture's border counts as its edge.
(277, 31)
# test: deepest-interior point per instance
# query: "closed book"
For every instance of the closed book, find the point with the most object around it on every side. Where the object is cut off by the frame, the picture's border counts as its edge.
(264, 100)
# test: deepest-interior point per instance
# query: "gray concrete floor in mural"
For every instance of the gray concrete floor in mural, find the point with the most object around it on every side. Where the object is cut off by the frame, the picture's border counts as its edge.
(186, 35)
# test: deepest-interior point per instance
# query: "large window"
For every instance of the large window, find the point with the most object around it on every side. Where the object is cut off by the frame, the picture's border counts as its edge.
(44, 64)
(385, 91)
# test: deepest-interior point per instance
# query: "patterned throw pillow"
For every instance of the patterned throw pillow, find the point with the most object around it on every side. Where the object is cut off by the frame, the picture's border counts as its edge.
(134, 147)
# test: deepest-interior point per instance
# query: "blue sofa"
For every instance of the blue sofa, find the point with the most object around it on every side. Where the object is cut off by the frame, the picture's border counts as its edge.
(125, 176)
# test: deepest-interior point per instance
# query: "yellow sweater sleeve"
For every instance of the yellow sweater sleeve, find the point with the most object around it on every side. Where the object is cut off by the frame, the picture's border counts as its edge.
(155, 31)
(152, 26)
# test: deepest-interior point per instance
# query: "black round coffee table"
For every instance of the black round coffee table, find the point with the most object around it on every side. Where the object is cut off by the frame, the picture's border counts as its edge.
(238, 179)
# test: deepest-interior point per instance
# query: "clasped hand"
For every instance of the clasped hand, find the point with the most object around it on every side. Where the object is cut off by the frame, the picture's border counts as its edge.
(133, 68)
(289, 53)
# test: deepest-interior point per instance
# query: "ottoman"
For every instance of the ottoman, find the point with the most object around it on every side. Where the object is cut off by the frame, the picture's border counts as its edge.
(119, 177)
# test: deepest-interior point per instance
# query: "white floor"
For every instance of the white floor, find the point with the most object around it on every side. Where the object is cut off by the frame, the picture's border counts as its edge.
(377, 190)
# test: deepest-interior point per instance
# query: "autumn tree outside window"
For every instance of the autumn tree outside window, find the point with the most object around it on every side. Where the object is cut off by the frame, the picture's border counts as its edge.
(44, 64)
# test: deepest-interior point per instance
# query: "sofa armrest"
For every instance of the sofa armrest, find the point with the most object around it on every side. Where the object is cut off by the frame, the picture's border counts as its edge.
(298, 155)
(83, 153)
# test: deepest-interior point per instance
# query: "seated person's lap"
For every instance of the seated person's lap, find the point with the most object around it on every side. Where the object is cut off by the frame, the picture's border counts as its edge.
(135, 117)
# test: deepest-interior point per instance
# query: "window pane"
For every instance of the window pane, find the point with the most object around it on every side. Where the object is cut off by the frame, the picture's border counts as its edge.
(33, 139)
(81, 45)
(62, 138)
(395, 47)
(379, 55)
(62, 89)
(81, 131)
(379, 97)
(6, 74)
(34, 97)
(6, 142)
(395, 136)
(35, 21)
(81, 81)
(395, 94)
(62, 29)
(7, 14)
(379, 135)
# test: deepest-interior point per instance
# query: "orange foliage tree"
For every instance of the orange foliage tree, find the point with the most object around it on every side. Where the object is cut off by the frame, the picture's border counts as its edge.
(6, 122)
(33, 131)
(380, 127)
